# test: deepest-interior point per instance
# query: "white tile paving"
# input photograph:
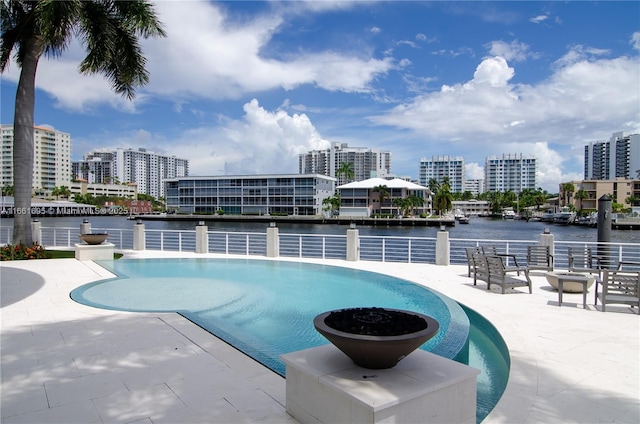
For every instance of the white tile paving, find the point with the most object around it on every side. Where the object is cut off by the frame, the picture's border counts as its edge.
(65, 362)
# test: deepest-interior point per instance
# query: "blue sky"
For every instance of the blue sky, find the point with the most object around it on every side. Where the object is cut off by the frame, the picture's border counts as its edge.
(244, 87)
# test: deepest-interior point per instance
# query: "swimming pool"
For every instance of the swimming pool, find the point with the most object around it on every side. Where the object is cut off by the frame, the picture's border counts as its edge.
(266, 308)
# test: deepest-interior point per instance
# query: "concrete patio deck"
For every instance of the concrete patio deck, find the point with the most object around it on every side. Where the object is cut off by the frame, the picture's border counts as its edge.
(63, 362)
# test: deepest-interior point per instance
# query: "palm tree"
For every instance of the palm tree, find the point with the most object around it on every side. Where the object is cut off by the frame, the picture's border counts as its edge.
(443, 199)
(433, 185)
(383, 194)
(332, 203)
(581, 195)
(567, 191)
(631, 200)
(7, 190)
(108, 29)
(402, 204)
(65, 192)
(346, 169)
(415, 202)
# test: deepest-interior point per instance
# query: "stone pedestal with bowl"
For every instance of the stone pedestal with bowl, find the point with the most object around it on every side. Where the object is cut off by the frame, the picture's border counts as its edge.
(325, 386)
(371, 374)
(94, 247)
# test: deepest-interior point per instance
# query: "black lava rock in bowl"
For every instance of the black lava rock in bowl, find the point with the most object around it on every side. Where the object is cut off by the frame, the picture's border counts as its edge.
(376, 338)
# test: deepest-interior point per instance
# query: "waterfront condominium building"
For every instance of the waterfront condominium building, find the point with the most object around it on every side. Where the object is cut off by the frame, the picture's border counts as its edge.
(617, 158)
(286, 194)
(147, 169)
(510, 173)
(620, 190)
(51, 158)
(365, 162)
(439, 167)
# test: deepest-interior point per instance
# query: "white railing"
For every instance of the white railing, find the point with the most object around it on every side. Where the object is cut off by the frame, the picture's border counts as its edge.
(319, 246)
(325, 246)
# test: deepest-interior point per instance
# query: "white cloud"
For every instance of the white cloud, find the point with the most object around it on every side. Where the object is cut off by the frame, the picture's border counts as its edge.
(261, 142)
(473, 171)
(539, 19)
(578, 54)
(512, 52)
(581, 100)
(635, 40)
(203, 59)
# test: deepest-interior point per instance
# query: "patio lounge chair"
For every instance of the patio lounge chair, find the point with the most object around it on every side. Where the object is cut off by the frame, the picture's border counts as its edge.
(539, 257)
(498, 274)
(619, 287)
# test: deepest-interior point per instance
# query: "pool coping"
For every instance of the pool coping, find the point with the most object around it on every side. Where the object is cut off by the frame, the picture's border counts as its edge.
(559, 372)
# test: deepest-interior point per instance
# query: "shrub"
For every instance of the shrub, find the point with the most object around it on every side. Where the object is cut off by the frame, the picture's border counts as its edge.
(19, 252)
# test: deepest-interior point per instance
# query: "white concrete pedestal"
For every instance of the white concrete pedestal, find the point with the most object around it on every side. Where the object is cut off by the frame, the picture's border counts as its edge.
(325, 386)
(94, 252)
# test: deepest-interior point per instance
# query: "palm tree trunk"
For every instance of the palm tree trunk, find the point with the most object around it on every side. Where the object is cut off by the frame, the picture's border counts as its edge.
(23, 145)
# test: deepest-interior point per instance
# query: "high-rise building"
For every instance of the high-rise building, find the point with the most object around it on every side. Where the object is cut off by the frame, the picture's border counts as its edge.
(365, 162)
(441, 167)
(51, 158)
(474, 186)
(147, 169)
(617, 158)
(96, 168)
(510, 173)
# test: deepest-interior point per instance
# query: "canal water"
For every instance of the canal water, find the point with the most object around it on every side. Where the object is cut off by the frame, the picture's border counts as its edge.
(478, 228)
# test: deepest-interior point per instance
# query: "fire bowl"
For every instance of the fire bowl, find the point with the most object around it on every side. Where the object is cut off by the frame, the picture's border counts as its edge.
(376, 338)
(94, 238)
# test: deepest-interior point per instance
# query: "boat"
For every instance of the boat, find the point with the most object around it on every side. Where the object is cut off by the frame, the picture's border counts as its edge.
(590, 220)
(508, 214)
(547, 217)
(460, 217)
(565, 216)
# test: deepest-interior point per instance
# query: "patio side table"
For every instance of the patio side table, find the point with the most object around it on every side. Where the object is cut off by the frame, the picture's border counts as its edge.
(577, 278)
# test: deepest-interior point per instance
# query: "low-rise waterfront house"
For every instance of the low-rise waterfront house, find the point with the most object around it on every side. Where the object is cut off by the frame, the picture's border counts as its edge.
(378, 196)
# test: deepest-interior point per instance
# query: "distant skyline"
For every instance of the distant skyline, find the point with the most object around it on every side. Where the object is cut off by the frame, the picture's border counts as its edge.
(245, 87)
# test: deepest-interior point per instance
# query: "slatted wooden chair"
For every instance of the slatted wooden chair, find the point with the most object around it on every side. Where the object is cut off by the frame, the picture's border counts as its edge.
(539, 257)
(470, 262)
(498, 274)
(480, 268)
(581, 259)
(619, 287)
(491, 250)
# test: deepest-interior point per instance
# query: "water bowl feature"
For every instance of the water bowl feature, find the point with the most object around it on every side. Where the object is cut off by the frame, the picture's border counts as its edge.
(94, 238)
(376, 338)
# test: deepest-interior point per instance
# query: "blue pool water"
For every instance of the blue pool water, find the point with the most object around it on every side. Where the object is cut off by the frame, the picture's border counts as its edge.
(266, 308)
